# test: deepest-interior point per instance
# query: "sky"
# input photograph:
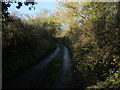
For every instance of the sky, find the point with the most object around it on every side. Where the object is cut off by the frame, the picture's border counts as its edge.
(25, 9)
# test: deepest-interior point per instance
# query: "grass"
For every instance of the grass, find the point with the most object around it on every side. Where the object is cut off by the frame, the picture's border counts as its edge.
(50, 72)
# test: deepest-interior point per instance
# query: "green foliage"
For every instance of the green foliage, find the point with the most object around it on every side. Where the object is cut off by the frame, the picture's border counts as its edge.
(91, 34)
(94, 43)
(23, 46)
(45, 22)
(26, 42)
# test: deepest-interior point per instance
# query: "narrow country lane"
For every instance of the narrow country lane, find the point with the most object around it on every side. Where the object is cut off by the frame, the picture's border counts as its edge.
(65, 79)
(26, 80)
(30, 78)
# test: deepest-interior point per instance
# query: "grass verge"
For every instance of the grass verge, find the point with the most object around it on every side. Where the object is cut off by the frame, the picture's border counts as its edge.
(50, 72)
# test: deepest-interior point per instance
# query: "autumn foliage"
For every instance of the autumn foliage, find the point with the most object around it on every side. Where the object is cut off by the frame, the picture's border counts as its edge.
(93, 40)
(90, 30)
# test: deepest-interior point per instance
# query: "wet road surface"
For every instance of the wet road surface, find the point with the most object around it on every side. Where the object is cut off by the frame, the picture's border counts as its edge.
(64, 79)
(26, 80)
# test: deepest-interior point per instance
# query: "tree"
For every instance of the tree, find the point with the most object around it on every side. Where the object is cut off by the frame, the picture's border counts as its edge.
(6, 5)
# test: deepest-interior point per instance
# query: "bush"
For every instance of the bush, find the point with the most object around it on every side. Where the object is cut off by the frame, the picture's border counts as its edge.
(23, 46)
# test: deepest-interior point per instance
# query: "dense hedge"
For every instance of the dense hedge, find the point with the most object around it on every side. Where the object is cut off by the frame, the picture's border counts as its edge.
(23, 46)
(94, 45)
